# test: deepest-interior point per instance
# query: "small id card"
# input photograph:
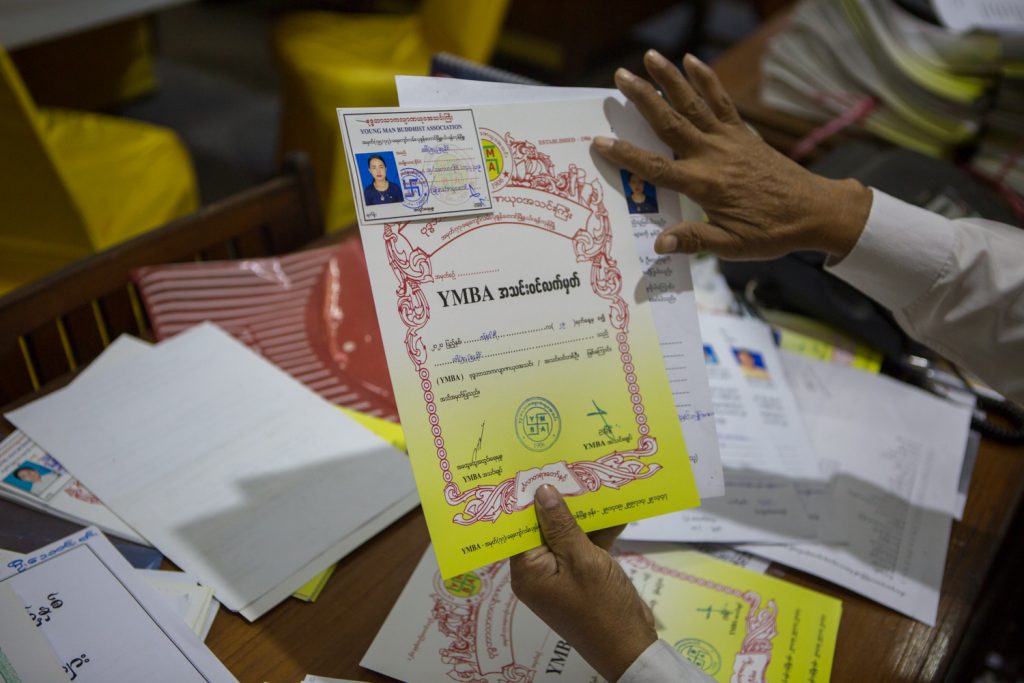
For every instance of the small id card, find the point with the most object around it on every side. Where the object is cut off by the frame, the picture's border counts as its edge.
(414, 164)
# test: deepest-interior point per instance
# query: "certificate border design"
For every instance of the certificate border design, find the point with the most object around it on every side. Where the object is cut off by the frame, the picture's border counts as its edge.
(458, 620)
(751, 662)
(530, 169)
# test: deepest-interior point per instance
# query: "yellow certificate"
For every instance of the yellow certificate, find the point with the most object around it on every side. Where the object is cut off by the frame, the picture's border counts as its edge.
(734, 624)
(520, 342)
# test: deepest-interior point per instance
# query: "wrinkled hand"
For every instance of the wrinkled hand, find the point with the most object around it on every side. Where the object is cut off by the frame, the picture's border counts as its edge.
(575, 586)
(759, 203)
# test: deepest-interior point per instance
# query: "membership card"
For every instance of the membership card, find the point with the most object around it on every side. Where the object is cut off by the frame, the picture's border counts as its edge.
(414, 165)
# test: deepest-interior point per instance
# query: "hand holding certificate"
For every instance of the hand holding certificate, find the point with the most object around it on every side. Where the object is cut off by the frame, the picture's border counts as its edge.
(521, 344)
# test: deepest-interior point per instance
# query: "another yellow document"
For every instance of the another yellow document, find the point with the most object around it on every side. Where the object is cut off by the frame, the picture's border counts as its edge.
(520, 340)
(734, 624)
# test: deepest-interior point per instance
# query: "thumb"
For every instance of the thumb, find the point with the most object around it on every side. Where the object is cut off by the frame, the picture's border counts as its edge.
(562, 535)
(692, 237)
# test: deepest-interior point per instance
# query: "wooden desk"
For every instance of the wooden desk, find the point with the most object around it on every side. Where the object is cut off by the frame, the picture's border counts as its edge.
(875, 644)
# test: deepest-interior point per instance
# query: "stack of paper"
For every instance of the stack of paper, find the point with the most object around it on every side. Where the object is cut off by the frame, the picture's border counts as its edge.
(77, 610)
(239, 474)
(32, 477)
(775, 491)
(896, 454)
(929, 86)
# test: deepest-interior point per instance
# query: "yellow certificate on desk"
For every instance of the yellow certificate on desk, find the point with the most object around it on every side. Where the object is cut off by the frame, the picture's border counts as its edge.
(733, 624)
(520, 341)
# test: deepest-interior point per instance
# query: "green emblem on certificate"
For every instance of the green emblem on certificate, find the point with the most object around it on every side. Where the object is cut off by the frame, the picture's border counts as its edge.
(701, 654)
(538, 423)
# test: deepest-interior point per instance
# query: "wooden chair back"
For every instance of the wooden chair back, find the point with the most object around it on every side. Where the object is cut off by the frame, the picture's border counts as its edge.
(50, 328)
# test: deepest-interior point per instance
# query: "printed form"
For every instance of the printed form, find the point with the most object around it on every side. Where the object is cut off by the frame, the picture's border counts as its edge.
(667, 278)
(896, 453)
(520, 342)
(775, 491)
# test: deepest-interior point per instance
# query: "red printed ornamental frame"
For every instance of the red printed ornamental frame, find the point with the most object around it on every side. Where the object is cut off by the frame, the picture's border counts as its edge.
(460, 610)
(533, 173)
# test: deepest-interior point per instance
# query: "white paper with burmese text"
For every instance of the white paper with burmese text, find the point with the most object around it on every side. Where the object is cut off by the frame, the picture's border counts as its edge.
(897, 453)
(775, 491)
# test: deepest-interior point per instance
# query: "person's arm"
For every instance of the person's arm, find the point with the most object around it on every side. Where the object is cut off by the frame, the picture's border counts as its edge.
(957, 286)
(576, 588)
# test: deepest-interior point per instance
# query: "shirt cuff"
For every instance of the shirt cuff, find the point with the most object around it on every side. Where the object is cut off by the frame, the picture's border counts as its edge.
(900, 254)
(660, 662)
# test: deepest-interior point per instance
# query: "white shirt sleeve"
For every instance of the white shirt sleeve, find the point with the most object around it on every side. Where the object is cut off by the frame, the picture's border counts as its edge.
(956, 286)
(660, 663)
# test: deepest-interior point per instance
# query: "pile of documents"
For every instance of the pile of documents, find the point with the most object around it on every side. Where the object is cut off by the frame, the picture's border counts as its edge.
(918, 84)
(76, 610)
(240, 475)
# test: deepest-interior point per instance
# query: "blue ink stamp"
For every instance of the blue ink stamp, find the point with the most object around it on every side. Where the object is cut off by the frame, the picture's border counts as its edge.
(538, 423)
(701, 654)
(415, 188)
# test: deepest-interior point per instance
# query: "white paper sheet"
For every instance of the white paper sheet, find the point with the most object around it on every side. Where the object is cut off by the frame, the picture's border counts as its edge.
(994, 15)
(235, 471)
(102, 620)
(193, 602)
(25, 654)
(898, 453)
(668, 280)
(774, 489)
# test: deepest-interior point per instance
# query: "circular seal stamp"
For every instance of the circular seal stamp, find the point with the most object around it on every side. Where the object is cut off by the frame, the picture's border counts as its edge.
(415, 188)
(497, 157)
(470, 587)
(700, 654)
(449, 179)
(538, 423)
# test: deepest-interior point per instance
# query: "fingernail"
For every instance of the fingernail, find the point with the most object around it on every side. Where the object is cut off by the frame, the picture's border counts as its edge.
(667, 244)
(694, 58)
(624, 75)
(658, 59)
(547, 496)
(602, 143)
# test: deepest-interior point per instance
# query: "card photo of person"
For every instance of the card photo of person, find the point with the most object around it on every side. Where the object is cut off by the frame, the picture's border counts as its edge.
(32, 477)
(751, 363)
(710, 357)
(378, 175)
(641, 196)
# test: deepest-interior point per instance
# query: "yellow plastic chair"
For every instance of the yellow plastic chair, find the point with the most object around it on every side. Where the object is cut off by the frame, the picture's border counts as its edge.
(72, 183)
(330, 60)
